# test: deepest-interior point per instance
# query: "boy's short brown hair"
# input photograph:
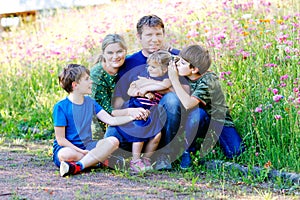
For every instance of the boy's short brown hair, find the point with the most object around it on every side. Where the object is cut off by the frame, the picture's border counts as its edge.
(197, 56)
(71, 73)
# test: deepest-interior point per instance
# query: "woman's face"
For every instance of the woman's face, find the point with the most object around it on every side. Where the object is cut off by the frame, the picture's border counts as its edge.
(114, 55)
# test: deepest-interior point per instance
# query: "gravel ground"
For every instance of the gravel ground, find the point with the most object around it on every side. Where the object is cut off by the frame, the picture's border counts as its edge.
(26, 173)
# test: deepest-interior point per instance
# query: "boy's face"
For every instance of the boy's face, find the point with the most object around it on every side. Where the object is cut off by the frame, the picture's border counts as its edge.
(151, 39)
(183, 67)
(155, 70)
(114, 55)
(84, 85)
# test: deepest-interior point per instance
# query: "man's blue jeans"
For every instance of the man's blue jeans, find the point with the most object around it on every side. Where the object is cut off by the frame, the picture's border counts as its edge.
(198, 124)
(172, 106)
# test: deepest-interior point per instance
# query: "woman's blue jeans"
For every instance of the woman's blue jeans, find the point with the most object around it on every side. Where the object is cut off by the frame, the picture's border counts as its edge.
(198, 124)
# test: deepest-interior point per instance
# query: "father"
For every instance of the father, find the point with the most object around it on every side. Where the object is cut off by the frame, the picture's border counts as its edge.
(151, 33)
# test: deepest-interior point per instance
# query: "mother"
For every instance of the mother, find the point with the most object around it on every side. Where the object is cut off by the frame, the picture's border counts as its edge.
(104, 73)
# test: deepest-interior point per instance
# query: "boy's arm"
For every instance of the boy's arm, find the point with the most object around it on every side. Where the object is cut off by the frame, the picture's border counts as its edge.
(187, 101)
(60, 135)
(113, 121)
(134, 112)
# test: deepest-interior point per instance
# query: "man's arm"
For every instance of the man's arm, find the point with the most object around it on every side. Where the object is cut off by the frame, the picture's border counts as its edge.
(143, 85)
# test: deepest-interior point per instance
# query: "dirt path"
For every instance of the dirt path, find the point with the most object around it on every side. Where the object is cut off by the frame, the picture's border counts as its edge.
(26, 172)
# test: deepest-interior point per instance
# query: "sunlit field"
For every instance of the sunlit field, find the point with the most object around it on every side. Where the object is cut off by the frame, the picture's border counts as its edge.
(255, 46)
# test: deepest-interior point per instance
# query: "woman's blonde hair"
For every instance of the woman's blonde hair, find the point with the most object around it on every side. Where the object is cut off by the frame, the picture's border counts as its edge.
(110, 39)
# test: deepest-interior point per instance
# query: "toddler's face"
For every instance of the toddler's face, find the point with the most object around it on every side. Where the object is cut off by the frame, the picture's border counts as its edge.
(155, 70)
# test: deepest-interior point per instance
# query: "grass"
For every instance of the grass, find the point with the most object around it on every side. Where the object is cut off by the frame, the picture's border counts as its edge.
(255, 49)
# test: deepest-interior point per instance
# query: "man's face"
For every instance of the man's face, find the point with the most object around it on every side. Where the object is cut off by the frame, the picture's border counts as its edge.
(151, 39)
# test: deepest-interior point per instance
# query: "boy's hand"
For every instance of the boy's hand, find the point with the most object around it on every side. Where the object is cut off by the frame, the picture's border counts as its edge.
(139, 113)
(172, 71)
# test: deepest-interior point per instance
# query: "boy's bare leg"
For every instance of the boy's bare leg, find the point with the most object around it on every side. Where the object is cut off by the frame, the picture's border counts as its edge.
(104, 148)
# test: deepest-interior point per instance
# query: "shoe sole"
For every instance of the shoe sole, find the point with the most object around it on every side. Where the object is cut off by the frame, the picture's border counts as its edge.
(185, 168)
(163, 167)
(63, 169)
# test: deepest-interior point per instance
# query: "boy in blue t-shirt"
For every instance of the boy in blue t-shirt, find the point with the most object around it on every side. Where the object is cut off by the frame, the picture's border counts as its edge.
(73, 147)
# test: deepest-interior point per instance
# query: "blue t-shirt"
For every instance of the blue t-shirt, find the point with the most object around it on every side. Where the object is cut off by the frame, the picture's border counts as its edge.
(135, 65)
(77, 119)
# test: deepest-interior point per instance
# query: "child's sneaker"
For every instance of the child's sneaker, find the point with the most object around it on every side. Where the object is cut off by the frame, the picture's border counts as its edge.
(137, 166)
(147, 163)
(68, 168)
(186, 160)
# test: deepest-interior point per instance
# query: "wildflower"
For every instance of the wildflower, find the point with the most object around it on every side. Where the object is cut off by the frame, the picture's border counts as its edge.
(256, 154)
(267, 164)
(282, 84)
(291, 98)
(245, 33)
(268, 45)
(190, 12)
(229, 83)
(269, 106)
(277, 97)
(284, 77)
(222, 75)
(275, 91)
(296, 90)
(258, 109)
(279, 21)
(277, 117)
(270, 65)
(192, 34)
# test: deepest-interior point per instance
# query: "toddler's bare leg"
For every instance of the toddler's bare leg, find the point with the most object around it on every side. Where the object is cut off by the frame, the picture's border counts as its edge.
(152, 145)
(136, 150)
